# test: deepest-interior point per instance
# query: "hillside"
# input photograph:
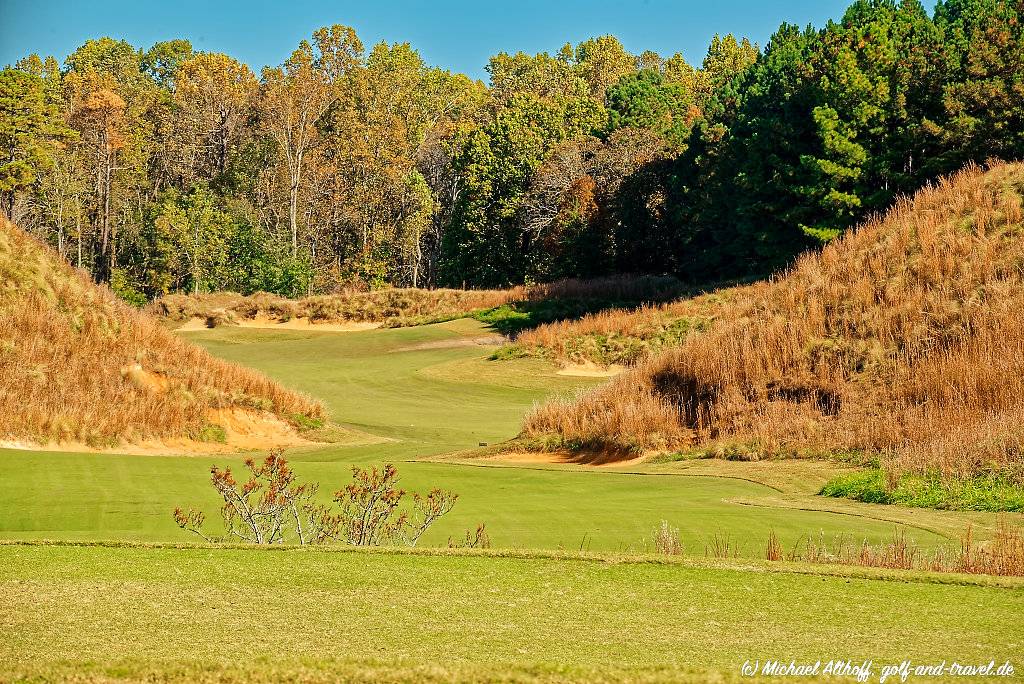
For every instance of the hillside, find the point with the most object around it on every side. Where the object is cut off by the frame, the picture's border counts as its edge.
(903, 339)
(623, 337)
(77, 365)
(508, 309)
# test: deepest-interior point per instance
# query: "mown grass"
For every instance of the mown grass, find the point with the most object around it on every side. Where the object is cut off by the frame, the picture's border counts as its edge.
(109, 496)
(200, 614)
(980, 493)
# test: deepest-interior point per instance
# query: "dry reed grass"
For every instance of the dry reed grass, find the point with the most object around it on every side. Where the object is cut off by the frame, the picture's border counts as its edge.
(903, 338)
(667, 540)
(394, 305)
(626, 336)
(1002, 555)
(76, 364)
(402, 306)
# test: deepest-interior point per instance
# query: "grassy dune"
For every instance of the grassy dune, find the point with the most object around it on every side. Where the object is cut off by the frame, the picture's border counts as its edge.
(399, 307)
(624, 336)
(76, 364)
(902, 341)
(258, 615)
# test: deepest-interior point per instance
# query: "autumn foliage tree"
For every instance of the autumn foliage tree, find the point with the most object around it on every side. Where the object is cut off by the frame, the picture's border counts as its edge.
(214, 94)
(294, 98)
(100, 121)
(364, 166)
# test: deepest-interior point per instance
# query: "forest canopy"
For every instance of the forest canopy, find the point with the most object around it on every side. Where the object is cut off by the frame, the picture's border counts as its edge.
(168, 169)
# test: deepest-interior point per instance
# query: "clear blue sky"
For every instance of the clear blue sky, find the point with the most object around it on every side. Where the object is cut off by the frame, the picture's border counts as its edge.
(454, 34)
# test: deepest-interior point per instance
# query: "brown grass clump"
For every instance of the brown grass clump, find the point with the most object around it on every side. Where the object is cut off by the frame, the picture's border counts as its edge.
(1002, 555)
(643, 420)
(76, 364)
(905, 337)
(394, 307)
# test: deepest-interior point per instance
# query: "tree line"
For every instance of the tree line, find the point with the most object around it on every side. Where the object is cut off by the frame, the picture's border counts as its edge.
(170, 169)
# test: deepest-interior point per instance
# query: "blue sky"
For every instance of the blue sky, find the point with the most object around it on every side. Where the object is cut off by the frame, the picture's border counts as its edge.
(453, 34)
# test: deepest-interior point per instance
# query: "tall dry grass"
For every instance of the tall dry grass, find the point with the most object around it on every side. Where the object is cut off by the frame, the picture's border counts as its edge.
(627, 336)
(905, 338)
(78, 365)
(395, 306)
(1002, 555)
(404, 306)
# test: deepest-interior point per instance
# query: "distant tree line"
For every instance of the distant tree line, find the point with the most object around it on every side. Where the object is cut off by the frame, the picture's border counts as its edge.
(168, 169)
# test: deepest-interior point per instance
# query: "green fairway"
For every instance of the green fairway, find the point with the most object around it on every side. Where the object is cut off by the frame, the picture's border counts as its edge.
(382, 382)
(337, 616)
(428, 390)
(130, 497)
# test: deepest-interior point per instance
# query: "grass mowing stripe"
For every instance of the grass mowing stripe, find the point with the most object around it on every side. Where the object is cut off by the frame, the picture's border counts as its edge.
(743, 564)
(187, 610)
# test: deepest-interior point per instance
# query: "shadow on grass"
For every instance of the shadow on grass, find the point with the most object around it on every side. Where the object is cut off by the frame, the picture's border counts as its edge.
(512, 319)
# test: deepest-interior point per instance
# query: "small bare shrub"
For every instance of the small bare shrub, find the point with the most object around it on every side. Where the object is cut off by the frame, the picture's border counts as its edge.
(270, 507)
(265, 507)
(721, 545)
(478, 539)
(370, 513)
(667, 540)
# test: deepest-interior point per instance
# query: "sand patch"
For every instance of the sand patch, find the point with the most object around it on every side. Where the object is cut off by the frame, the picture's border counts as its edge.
(589, 369)
(144, 379)
(566, 458)
(268, 323)
(489, 340)
(146, 447)
(244, 430)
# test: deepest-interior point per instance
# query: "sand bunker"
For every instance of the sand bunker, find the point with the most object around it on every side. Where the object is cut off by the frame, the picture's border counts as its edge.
(589, 369)
(144, 379)
(566, 458)
(244, 430)
(268, 323)
(490, 340)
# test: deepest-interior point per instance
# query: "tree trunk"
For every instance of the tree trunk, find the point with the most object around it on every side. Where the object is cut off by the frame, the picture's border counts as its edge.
(293, 213)
(106, 238)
